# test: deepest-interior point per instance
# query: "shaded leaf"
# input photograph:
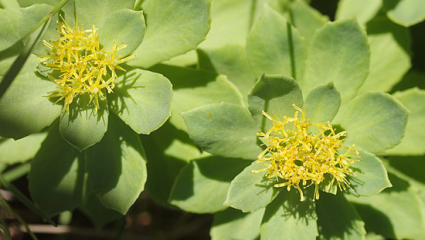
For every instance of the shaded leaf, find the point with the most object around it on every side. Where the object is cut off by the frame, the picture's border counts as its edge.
(224, 129)
(116, 167)
(274, 95)
(202, 185)
(12, 152)
(289, 218)
(251, 191)
(57, 176)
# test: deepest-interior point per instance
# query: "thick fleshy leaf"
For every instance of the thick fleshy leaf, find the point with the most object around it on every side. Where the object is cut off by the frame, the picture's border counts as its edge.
(374, 121)
(234, 224)
(57, 177)
(25, 109)
(12, 152)
(251, 191)
(230, 60)
(306, 19)
(116, 167)
(142, 99)
(386, 69)
(276, 96)
(338, 219)
(195, 88)
(82, 127)
(95, 12)
(322, 103)
(173, 28)
(371, 176)
(274, 47)
(338, 53)
(8, 29)
(362, 10)
(202, 185)
(98, 213)
(289, 218)
(123, 27)
(395, 213)
(407, 12)
(224, 129)
(172, 149)
(413, 142)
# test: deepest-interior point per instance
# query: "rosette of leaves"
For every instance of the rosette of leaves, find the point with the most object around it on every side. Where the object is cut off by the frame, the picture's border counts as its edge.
(276, 47)
(84, 158)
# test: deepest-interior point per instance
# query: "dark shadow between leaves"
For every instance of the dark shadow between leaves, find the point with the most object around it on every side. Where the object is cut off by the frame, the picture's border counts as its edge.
(184, 77)
(375, 221)
(163, 169)
(49, 167)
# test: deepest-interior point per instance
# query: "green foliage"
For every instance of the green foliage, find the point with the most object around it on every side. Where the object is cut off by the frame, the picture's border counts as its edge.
(184, 116)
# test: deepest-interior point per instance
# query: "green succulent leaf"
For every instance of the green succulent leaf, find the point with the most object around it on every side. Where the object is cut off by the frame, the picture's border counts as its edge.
(25, 109)
(390, 55)
(8, 29)
(274, 47)
(405, 13)
(12, 152)
(413, 142)
(123, 27)
(142, 99)
(57, 177)
(395, 213)
(306, 19)
(234, 224)
(82, 127)
(116, 167)
(374, 121)
(276, 96)
(99, 214)
(371, 176)
(362, 10)
(322, 103)
(202, 185)
(173, 28)
(96, 12)
(195, 88)
(289, 218)
(251, 191)
(338, 219)
(224, 129)
(338, 53)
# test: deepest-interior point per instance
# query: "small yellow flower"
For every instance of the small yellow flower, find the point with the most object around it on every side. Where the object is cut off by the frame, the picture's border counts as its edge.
(300, 153)
(82, 64)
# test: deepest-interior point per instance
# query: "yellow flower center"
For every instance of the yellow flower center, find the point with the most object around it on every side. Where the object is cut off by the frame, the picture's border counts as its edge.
(300, 154)
(81, 65)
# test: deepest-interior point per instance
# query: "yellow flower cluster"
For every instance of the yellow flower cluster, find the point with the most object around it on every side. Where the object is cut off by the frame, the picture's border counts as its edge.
(300, 153)
(81, 65)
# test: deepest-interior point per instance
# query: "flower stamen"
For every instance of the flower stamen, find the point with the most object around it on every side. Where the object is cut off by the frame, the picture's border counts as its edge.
(300, 154)
(81, 65)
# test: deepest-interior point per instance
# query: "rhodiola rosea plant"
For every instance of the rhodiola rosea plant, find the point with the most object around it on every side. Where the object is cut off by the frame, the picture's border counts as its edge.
(84, 95)
(281, 125)
(262, 51)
